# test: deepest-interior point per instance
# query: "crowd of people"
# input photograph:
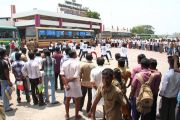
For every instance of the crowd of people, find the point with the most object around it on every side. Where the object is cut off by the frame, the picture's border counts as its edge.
(105, 86)
(158, 45)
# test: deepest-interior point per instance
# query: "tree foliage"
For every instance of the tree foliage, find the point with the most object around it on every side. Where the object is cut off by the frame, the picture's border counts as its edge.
(143, 29)
(93, 14)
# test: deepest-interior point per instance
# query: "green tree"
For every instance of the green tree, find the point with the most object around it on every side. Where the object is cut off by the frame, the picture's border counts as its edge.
(93, 14)
(143, 29)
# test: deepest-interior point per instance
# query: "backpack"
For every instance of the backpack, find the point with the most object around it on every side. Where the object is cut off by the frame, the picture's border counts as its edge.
(144, 100)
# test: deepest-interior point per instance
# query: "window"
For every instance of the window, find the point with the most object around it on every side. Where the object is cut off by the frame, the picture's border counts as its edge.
(68, 34)
(42, 34)
(7, 33)
(51, 34)
(59, 34)
(82, 34)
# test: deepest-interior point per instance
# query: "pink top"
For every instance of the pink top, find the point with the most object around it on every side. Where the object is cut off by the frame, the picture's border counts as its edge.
(146, 74)
(135, 70)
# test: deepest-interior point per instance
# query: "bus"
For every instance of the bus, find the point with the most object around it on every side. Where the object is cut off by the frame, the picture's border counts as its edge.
(44, 35)
(146, 36)
(8, 34)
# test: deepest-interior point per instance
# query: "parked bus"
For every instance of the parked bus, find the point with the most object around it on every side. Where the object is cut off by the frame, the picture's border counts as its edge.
(7, 34)
(44, 35)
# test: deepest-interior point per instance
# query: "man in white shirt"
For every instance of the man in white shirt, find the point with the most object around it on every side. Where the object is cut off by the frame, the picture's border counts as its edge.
(31, 69)
(104, 51)
(169, 91)
(96, 78)
(124, 52)
(84, 50)
(81, 47)
(108, 49)
(70, 74)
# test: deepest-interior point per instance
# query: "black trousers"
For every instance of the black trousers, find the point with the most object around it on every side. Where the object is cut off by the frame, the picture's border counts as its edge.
(56, 81)
(80, 52)
(34, 90)
(89, 103)
(109, 53)
(83, 54)
(167, 110)
(106, 57)
(25, 85)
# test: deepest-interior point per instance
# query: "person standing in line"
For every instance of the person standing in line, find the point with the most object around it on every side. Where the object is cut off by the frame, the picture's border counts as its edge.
(23, 55)
(113, 97)
(64, 45)
(135, 89)
(125, 73)
(49, 75)
(50, 47)
(31, 69)
(155, 87)
(4, 79)
(57, 56)
(169, 91)
(137, 68)
(12, 47)
(96, 79)
(16, 50)
(104, 51)
(16, 70)
(124, 52)
(85, 81)
(70, 74)
(84, 50)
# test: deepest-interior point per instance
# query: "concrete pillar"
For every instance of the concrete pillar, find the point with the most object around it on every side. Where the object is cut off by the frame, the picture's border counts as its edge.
(60, 22)
(100, 30)
(37, 20)
(90, 25)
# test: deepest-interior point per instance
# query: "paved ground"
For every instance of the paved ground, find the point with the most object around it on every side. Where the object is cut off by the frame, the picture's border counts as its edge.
(26, 111)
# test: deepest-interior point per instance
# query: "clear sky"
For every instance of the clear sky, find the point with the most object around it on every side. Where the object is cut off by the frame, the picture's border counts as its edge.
(163, 15)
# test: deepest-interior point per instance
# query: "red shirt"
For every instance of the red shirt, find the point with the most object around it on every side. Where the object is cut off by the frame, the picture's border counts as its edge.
(57, 56)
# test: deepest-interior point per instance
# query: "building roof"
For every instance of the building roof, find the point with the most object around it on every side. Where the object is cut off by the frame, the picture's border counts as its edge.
(54, 14)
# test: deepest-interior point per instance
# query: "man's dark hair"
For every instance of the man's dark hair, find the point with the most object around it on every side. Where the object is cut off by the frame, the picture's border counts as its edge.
(108, 71)
(31, 55)
(100, 61)
(47, 53)
(2, 53)
(140, 57)
(117, 56)
(38, 54)
(57, 49)
(145, 63)
(117, 75)
(72, 53)
(153, 63)
(67, 50)
(121, 62)
(171, 61)
(89, 57)
(18, 56)
(24, 50)
(16, 49)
